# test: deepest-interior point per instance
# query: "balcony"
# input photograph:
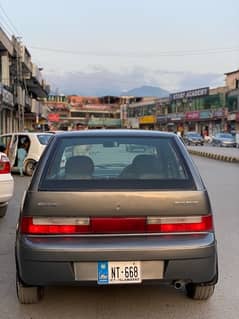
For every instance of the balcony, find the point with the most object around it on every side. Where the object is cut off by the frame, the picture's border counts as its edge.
(25, 59)
(36, 85)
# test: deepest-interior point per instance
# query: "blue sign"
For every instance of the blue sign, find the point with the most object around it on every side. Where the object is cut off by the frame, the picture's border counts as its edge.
(103, 276)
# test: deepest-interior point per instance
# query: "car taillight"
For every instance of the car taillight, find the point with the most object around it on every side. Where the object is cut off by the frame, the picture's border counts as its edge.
(32, 225)
(179, 224)
(115, 225)
(5, 167)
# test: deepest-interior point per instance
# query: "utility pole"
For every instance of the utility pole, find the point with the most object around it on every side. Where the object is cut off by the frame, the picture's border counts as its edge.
(19, 93)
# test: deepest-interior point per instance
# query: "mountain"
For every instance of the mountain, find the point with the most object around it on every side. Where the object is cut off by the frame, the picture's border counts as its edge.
(147, 91)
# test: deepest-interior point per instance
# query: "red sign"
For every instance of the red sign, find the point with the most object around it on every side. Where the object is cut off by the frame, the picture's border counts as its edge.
(53, 117)
(192, 116)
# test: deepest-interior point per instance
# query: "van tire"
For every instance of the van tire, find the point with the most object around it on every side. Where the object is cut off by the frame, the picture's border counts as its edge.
(29, 167)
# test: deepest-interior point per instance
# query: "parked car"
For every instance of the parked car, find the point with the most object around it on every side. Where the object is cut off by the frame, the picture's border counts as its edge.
(193, 138)
(224, 139)
(36, 144)
(115, 217)
(6, 183)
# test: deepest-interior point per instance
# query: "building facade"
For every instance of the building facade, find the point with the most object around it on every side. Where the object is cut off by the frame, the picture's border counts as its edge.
(22, 87)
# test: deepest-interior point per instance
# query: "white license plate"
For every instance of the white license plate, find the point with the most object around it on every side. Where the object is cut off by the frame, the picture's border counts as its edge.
(119, 272)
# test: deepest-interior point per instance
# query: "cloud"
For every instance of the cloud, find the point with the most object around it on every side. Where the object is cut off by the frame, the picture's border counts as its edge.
(101, 81)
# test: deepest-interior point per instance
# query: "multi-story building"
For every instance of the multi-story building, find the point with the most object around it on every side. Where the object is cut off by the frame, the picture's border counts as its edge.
(205, 110)
(141, 112)
(22, 87)
(6, 84)
(232, 83)
(66, 112)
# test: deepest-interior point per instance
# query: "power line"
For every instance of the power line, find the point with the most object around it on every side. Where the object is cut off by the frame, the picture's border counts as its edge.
(3, 27)
(142, 54)
(6, 25)
(10, 21)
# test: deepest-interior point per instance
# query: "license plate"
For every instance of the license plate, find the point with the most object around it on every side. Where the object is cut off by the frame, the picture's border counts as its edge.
(119, 272)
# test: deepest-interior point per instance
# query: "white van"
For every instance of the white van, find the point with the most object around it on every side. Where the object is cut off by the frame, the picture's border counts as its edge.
(36, 143)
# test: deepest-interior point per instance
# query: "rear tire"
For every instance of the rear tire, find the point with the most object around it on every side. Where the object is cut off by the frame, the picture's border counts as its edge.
(28, 295)
(3, 210)
(29, 167)
(199, 291)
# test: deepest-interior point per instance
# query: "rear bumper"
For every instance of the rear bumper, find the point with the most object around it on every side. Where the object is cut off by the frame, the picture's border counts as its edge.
(52, 261)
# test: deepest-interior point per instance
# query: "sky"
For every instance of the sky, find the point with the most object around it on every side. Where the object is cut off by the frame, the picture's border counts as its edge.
(105, 46)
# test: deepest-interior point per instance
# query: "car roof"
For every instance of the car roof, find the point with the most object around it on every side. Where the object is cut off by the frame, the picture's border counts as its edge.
(111, 133)
(27, 133)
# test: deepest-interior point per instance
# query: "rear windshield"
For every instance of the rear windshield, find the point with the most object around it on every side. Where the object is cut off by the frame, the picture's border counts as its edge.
(115, 162)
(44, 138)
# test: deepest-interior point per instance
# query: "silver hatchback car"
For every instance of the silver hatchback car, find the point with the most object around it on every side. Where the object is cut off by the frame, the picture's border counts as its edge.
(98, 213)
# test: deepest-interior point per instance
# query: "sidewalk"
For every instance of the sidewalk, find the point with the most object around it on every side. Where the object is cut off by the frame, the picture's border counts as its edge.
(217, 153)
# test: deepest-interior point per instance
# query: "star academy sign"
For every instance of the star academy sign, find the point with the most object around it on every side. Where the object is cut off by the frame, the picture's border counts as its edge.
(189, 94)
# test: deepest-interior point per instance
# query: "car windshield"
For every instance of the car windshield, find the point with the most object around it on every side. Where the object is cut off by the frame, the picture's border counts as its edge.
(225, 135)
(44, 138)
(194, 135)
(113, 162)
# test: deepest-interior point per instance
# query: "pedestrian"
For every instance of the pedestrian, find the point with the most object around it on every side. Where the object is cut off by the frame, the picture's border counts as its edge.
(21, 155)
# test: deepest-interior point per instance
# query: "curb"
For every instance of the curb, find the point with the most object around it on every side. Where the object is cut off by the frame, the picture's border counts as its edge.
(219, 157)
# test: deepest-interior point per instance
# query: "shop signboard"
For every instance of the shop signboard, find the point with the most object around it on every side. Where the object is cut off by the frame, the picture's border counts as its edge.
(147, 119)
(205, 115)
(132, 123)
(6, 96)
(175, 117)
(94, 122)
(231, 117)
(192, 116)
(189, 94)
(112, 122)
(219, 113)
(162, 119)
(53, 117)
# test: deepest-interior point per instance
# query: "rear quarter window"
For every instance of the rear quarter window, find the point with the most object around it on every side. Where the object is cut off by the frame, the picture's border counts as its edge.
(44, 139)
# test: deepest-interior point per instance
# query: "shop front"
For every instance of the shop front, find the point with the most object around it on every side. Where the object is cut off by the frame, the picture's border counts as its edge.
(219, 124)
(231, 122)
(191, 121)
(205, 123)
(162, 122)
(176, 123)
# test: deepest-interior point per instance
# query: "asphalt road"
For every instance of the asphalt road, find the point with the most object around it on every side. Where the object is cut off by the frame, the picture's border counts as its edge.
(222, 180)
